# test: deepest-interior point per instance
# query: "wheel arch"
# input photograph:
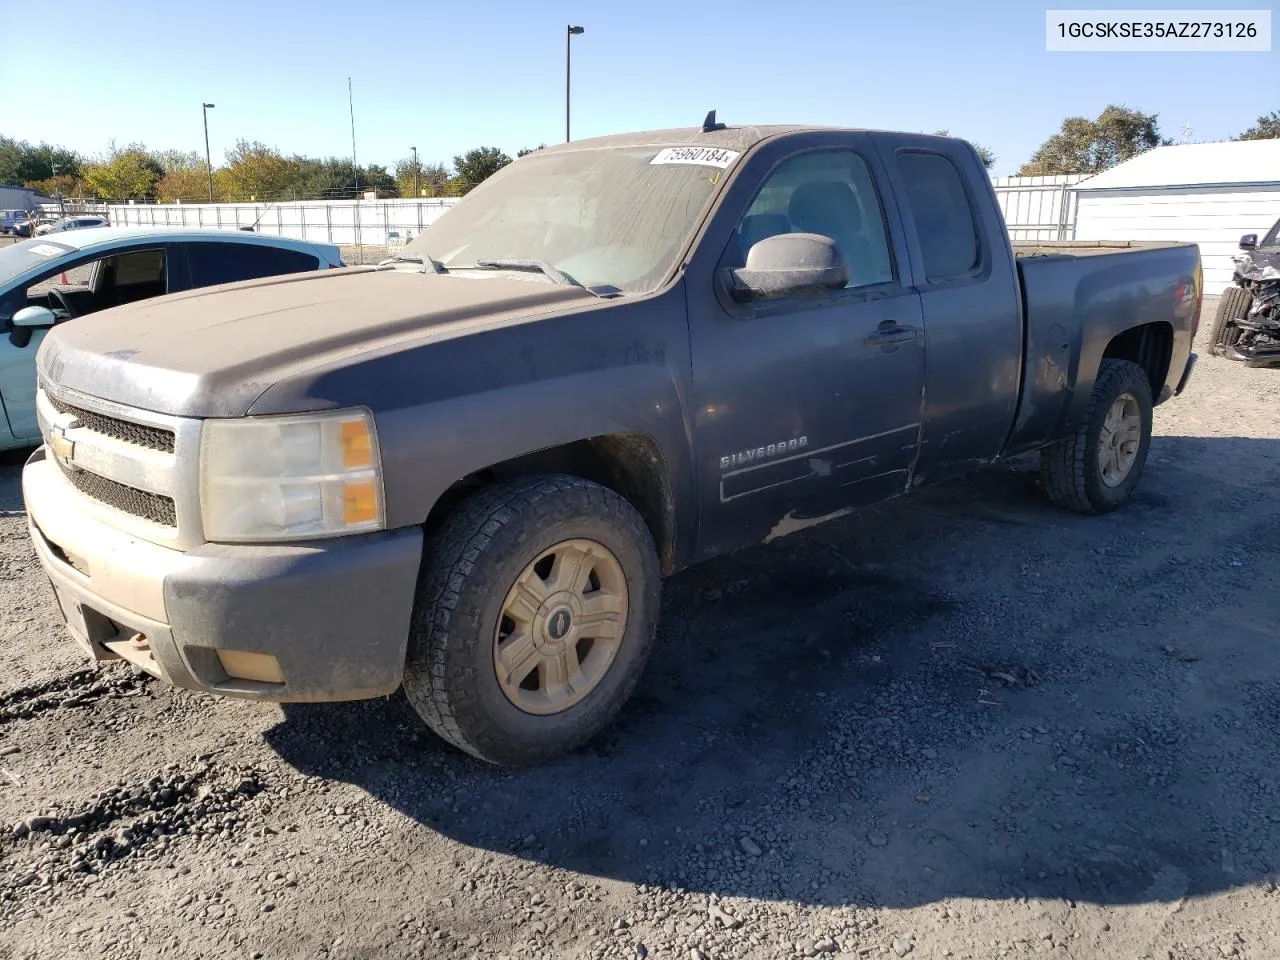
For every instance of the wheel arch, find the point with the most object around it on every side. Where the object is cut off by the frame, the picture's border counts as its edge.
(629, 463)
(1150, 346)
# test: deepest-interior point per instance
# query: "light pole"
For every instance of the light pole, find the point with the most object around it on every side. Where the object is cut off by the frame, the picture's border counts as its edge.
(208, 161)
(417, 191)
(570, 33)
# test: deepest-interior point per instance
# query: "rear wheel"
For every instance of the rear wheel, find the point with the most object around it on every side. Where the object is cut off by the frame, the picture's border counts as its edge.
(1233, 305)
(1096, 469)
(535, 615)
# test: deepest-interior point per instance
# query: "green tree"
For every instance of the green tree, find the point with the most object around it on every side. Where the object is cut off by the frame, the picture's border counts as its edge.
(1091, 146)
(409, 182)
(525, 151)
(10, 160)
(45, 161)
(185, 178)
(20, 162)
(1267, 128)
(255, 171)
(984, 153)
(62, 185)
(476, 166)
(427, 179)
(438, 176)
(128, 173)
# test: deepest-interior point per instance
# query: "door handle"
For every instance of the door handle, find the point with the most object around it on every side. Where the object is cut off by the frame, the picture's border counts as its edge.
(890, 333)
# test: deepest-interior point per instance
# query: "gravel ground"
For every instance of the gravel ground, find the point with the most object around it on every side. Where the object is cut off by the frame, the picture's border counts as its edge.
(964, 725)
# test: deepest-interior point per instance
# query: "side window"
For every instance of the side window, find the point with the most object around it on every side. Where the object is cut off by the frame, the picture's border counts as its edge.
(829, 192)
(99, 284)
(939, 207)
(129, 277)
(214, 263)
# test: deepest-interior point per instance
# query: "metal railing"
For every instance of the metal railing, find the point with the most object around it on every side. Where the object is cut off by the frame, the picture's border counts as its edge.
(342, 222)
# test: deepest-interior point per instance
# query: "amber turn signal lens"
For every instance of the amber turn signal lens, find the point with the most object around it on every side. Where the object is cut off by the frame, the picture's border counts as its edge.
(357, 445)
(359, 501)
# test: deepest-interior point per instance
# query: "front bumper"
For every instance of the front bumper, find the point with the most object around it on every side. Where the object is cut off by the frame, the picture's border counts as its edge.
(327, 620)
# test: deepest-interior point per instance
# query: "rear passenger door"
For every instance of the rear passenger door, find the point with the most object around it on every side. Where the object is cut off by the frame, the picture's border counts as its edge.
(969, 296)
(811, 404)
(227, 262)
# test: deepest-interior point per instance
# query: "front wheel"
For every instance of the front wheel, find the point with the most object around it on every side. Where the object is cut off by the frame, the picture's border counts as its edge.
(1234, 305)
(535, 615)
(1096, 468)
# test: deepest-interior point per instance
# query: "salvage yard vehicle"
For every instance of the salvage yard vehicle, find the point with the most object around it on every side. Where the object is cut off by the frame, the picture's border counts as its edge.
(467, 469)
(10, 220)
(1247, 324)
(117, 265)
(64, 224)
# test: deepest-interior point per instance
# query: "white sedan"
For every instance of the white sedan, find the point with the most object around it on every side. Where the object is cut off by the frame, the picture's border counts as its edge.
(56, 277)
(71, 223)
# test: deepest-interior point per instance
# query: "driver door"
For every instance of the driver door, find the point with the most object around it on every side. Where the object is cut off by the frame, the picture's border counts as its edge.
(91, 284)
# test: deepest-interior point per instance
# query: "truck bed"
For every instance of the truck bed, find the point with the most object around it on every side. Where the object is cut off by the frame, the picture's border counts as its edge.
(1086, 248)
(1078, 295)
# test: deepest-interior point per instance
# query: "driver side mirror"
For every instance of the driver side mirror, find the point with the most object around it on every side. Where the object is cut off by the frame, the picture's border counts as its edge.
(1249, 241)
(789, 265)
(34, 317)
(28, 319)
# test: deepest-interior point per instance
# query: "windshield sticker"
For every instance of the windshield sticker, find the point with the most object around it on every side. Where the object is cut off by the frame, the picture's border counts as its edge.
(46, 250)
(699, 156)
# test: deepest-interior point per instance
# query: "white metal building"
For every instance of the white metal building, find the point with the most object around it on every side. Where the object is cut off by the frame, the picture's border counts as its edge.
(13, 197)
(1205, 193)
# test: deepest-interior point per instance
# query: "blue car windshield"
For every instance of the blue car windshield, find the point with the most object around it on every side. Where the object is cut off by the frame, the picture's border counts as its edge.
(18, 258)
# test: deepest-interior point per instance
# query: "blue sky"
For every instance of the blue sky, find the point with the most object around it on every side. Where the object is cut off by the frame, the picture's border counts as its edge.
(447, 77)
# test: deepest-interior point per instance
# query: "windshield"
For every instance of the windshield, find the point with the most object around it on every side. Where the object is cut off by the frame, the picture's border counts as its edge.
(603, 217)
(16, 259)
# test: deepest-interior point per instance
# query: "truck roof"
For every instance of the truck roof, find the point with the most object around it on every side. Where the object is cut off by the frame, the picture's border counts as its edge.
(729, 138)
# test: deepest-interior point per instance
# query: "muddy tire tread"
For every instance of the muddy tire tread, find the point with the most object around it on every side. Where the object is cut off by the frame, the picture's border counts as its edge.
(456, 561)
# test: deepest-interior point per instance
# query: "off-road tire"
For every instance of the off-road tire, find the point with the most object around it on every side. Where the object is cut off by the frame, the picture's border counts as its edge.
(1070, 470)
(1233, 305)
(468, 567)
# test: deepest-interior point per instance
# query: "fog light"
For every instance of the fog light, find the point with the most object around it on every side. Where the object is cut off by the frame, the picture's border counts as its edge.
(243, 665)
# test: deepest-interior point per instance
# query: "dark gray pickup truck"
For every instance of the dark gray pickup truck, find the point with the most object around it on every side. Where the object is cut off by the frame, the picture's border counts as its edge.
(468, 469)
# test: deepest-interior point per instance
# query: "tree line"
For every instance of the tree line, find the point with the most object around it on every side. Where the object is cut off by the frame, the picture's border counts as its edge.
(255, 171)
(251, 171)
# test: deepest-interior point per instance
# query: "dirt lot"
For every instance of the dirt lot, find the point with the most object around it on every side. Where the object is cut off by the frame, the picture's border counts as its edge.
(965, 725)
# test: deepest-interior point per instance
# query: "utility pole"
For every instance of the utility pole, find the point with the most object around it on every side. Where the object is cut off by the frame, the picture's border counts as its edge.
(355, 170)
(208, 161)
(417, 190)
(570, 33)
(1186, 131)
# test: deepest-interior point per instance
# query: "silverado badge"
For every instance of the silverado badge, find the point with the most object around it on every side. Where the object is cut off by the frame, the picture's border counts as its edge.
(745, 457)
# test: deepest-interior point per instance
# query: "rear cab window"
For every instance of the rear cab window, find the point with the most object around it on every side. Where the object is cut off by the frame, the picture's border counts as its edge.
(939, 208)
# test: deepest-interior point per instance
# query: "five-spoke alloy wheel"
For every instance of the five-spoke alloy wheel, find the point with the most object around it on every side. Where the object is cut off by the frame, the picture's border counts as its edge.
(536, 610)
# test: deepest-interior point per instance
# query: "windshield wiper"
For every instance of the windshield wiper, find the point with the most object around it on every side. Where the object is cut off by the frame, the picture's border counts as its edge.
(542, 266)
(428, 265)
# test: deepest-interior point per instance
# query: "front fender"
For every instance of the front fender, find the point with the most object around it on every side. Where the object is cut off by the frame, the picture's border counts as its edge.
(447, 409)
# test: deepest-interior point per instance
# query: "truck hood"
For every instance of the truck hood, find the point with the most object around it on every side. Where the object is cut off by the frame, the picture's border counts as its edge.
(213, 352)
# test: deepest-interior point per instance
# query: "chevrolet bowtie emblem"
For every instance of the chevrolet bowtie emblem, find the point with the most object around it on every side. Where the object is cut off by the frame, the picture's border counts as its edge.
(63, 449)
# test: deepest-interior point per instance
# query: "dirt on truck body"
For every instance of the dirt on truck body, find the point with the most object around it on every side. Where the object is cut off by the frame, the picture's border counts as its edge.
(467, 470)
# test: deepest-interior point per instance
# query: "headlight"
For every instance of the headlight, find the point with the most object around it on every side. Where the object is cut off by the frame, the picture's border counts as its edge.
(290, 478)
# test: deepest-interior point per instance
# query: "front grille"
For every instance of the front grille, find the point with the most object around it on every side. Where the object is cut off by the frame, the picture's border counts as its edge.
(139, 503)
(153, 438)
